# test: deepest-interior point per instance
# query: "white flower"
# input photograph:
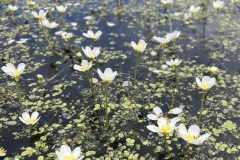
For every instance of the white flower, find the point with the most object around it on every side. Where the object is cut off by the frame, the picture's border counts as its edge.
(31, 3)
(176, 110)
(12, 71)
(94, 80)
(213, 69)
(108, 75)
(206, 83)
(111, 24)
(88, 17)
(65, 35)
(91, 53)
(40, 16)
(61, 8)
(234, 1)
(92, 35)
(3, 152)
(192, 134)
(140, 47)
(162, 41)
(30, 119)
(218, 5)
(12, 8)
(164, 125)
(167, 2)
(85, 66)
(187, 17)
(22, 40)
(48, 24)
(65, 153)
(172, 63)
(157, 114)
(193, 9)
(74, 24)
(174, 35)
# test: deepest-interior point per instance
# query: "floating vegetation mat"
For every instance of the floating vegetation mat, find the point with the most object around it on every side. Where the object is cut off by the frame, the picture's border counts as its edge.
(119, 79)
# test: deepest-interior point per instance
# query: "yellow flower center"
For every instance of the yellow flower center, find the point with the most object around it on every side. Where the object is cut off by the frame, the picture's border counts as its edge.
(31, 120)
(175, 64)
(138, 47)
(94, 37)
(69, 157)
(204, 86)
(40, 18)
(91, 56)
(83, 68)
(16, 75)
(107, 77)
(165, 128)
(190, 137)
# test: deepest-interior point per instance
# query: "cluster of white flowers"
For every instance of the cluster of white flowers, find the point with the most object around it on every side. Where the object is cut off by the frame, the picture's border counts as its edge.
(168, 126)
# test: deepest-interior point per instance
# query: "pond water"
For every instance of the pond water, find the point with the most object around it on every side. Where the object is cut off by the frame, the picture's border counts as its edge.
(70, 114)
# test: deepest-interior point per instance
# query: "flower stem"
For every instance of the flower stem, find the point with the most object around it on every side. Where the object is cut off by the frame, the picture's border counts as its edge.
(202, 105)
(166, 144)
(106, 102)
(88, 75)
(91, 79)
(183, 152)
(45, 34)
(136, 67)
(174, 87)
(19, 92)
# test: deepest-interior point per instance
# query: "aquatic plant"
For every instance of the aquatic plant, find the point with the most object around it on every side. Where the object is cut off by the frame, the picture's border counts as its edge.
(3, 152)
(218, 5)
(205, 84)
(166, 127)
(139, 48)
(92, 35)
(12, 8)
(93, 53)
(191, 136)
(107, 76)
(30, 119)
(158, 113)
(61, 8)
(213, 70)
(48, 24)
(40, 15)
(14, 72)
(65, 153)
(85, 67)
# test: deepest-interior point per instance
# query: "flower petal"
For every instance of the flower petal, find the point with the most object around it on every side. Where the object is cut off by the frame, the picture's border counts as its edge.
(153, 128)
(194, 130)
(76, 152)
(152, 117)
(157, 110)
(176, 110)
(21, 68)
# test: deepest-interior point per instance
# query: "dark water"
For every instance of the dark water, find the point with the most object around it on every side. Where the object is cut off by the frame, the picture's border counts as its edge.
(64, 100)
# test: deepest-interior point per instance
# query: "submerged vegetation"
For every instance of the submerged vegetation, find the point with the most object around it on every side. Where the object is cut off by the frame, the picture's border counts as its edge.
(119, 79)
